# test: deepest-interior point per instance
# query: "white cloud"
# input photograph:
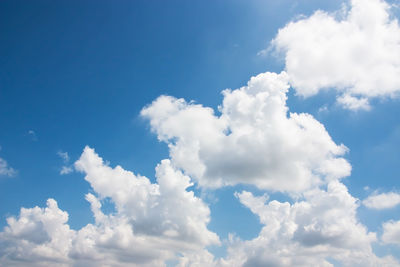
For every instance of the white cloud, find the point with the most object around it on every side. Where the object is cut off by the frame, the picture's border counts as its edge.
(310, 232)
(33, 135)
(66, 169)
(391, 232)
(356, 52)
(5, 169)
(64, 156)
(151, 222)
(40, 236)
(382, 201)
(353, 103)
(254, 140)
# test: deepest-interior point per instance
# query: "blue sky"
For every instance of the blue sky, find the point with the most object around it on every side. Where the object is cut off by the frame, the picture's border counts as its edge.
(94, 73)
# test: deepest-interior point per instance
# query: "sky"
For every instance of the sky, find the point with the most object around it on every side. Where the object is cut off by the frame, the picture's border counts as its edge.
(200, 133)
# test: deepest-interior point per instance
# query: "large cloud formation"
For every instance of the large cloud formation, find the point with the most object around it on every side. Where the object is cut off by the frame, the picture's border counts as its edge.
(151, 223)
(356, 52)
(253, 141)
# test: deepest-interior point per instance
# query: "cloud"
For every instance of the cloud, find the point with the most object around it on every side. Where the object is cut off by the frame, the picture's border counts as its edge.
(391, 232)
(33, 135)
(382, 201)
(40, 236)
(151, 222)
(254, 140)
(64, 156)
(66, 169)
(355, 52)
(309, 232)
(5, 169)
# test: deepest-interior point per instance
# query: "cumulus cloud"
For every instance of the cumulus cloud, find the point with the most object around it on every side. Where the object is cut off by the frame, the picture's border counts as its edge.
(391, 232)
(355, 52)
(310, 232)
(254, 140)
(151, 222)
(38, 237)
(5, 169)
(382, 201)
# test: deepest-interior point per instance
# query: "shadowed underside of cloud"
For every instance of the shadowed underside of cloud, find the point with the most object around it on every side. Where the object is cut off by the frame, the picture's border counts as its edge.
(355, 51)
(152, 222)
(156, 222)
(322, 226)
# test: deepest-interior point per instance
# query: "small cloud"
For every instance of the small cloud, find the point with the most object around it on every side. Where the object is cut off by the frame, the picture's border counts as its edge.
(33, 135)
(353, 103)
(382, 201)
(391, 232)
(66, 170)
(6, 170)
(322, 109)
(263, 53)
(64, 156)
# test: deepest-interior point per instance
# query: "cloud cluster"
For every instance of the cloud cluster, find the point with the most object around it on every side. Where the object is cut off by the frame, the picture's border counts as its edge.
(312, 232)
(382, 201)
(151, 222)
(355, 52)
(254, 140)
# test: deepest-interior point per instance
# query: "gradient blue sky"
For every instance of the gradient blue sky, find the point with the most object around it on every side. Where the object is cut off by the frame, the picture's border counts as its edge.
(77, 73)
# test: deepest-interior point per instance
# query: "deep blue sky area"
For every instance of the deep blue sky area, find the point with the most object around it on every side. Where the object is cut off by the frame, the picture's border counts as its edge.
(77, 73)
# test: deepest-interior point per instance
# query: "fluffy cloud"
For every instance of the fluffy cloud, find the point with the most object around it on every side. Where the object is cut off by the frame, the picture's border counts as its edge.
(40, 237)
(5, 169)
(151, 222)
(312, 232)
(391, 232)
(253, 141)
(382, 201)
(356, 52)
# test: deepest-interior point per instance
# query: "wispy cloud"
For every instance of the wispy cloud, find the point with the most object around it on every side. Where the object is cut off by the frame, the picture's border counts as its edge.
(5, 169)
(67, 168)
(64, 156)
(33, 135)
